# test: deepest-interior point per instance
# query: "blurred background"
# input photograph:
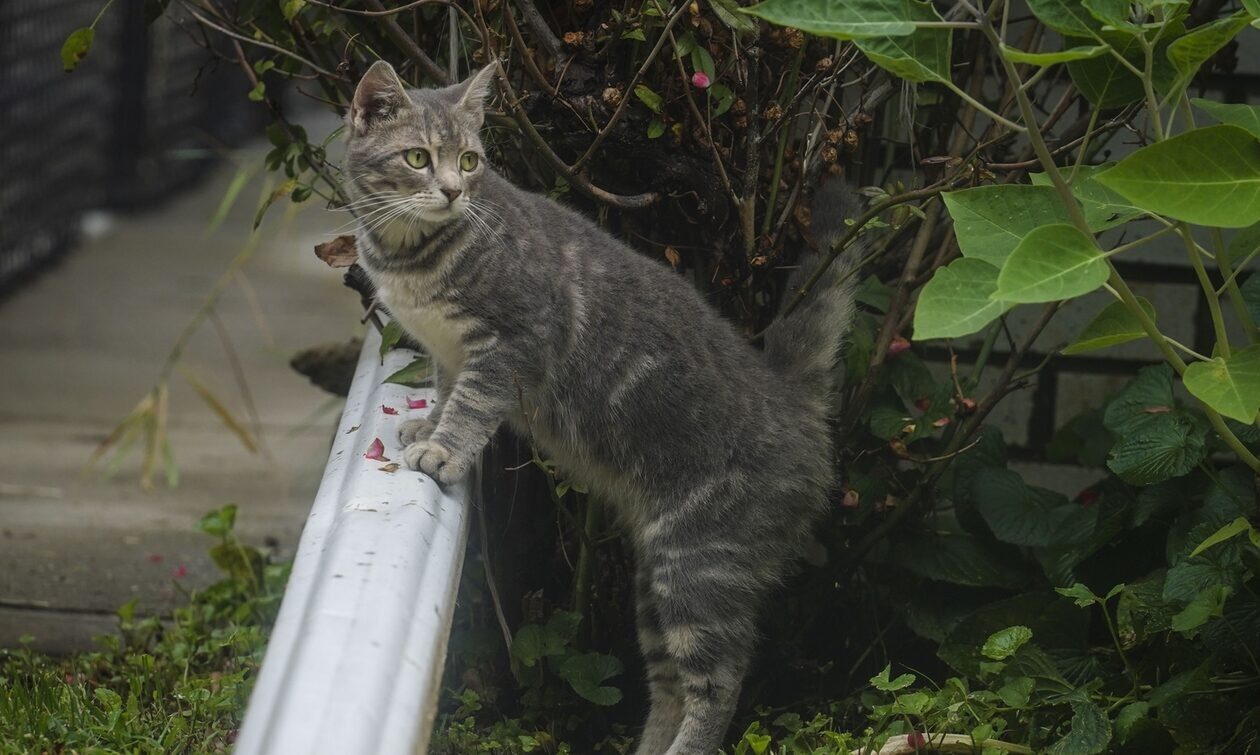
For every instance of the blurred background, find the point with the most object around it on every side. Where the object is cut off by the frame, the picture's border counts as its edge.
(130, 272)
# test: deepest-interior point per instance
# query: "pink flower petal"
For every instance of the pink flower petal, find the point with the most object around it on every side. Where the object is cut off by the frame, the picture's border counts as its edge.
(700, 80)
(376, 451)
(417, 403)
(179, 571)
(388, 409)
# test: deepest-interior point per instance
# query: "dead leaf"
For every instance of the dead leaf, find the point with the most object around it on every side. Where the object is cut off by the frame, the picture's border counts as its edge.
(390, 467)
(671, 254)
(340, 252)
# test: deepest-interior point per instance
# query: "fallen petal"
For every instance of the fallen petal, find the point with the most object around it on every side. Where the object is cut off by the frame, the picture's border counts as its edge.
(417, 403)
(155, 558)
(390, 467)
(388, 409)
(179, 571)
(376, 451)
(700, 80)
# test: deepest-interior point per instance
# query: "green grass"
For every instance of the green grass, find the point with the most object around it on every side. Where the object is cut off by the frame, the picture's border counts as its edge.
(172, 685)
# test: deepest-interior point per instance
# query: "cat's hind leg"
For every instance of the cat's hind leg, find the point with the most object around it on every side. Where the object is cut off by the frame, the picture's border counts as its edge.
(666, 711)
(706, 603)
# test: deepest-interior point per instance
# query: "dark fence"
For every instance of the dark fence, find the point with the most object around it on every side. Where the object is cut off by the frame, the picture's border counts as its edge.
(140, 118)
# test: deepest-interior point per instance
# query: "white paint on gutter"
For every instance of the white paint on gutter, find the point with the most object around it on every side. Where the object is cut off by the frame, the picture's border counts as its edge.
(355, 660)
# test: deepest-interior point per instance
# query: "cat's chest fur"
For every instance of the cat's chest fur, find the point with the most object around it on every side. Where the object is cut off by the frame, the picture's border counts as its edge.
(438, 325)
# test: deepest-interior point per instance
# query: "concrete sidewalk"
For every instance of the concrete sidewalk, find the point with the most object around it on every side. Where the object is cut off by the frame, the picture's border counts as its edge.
(84, 342)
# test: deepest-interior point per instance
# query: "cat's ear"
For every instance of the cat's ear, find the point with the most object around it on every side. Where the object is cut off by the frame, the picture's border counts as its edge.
(473, 93)
(379, 96)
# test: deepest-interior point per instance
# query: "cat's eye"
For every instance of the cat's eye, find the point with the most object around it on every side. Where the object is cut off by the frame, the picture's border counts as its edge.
(416, 158)
(468, 161)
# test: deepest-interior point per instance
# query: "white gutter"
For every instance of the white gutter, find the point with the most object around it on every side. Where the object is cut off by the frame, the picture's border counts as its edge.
(355, 659)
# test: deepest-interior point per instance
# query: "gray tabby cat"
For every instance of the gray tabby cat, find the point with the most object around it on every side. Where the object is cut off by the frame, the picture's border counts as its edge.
(717, 458)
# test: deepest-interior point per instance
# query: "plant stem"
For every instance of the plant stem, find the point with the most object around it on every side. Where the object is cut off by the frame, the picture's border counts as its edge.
(1231, 285)
(1209, 291)
(967, 98)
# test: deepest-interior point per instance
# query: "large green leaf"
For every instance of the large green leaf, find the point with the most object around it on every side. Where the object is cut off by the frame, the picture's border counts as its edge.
(1230, 386)
(1053, 262)
(1068, 17)
(1190, 51)
(1209, 176)
(1147, 396)
(959, 560)
(1024, 515)
(1244, 116)
(956, 301)
(1115, 324)
(846, 19)
(1113, 13)
(919, 57)
(1105, 81)
(990, 221)
(1168, 446)
(1090, 733)
(1051, 58)
(1103, 207)
(1250, 290)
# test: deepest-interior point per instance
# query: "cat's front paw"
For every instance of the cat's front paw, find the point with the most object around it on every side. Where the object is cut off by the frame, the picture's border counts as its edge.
(415, 430)
(436, 461)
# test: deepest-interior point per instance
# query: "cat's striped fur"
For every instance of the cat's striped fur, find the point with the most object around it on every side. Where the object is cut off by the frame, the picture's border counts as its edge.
(716, 457)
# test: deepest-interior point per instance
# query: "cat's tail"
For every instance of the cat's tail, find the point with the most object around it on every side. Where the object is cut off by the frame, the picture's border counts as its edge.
(805, 343)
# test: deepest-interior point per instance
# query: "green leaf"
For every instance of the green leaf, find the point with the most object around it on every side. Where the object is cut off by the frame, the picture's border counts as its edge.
(990, 221)
(1209, 176)
(1115, 324)
(1105, 81)
(1243, 116)
(1146, 397)
(586, 673)
(1052, 262)
(1189, 52)
(1229, 531)
(1103, 207)
(1129, 715)
(258, 92)
(882, 682)
(636, 34)
(290, 8)
(956, 302)
(220, 522)
(959, 560)
(1230, 386)
(1051, 58)
(1016, 692)
(1020, 514)
(919, 57)
(1002, 645)
(413, 374)
(1207, 605)
(391, 334)
(846, 19)
(655, 128)
(728, 12)
(1080, 594)
(1168, 446)
(1090, 732)
(1068, 17)
(648, 97)
(1113, 13)
(76, 47)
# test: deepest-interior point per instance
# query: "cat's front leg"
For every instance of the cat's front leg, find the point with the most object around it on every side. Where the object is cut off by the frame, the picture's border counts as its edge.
(478, 403)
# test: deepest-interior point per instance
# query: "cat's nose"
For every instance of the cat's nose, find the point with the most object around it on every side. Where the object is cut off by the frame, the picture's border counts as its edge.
(451, 194)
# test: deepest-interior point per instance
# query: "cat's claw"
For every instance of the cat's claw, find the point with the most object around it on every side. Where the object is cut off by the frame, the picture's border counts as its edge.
(415, 430)
(435, 461)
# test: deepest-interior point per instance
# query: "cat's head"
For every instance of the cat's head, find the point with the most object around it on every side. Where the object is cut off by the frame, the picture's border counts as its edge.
(414, 157)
